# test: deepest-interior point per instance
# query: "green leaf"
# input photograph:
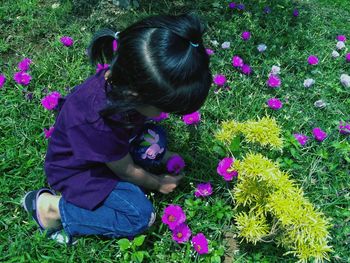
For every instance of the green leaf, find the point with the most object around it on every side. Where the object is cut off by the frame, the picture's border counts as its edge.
(235, 143)
(215, 259)
(124, 244)
(137, 256)
(219, 150)
(138, 241)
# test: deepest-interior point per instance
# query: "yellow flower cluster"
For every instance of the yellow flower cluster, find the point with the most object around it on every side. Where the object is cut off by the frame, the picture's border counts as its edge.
(267, 191)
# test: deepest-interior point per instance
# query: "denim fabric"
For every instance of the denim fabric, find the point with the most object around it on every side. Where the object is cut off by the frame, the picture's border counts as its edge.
(126, 212)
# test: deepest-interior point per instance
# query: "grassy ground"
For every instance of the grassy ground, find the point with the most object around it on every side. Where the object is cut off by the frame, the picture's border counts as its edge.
(31, 28)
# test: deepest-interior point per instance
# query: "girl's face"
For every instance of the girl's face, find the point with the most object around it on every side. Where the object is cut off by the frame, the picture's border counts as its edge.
(149, 111)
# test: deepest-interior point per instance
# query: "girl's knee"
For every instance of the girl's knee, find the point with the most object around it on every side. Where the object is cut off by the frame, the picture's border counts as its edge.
(147, 217)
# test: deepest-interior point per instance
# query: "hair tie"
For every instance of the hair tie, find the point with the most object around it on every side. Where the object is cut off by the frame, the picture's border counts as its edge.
(116, 34)
(194, 44)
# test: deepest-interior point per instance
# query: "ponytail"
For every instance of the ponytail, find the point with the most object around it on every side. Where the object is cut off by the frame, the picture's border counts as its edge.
(100, 49)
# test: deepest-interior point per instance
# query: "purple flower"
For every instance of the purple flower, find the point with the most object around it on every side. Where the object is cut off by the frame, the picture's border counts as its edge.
(274, 81)
(48, 132)
(302, 139)
(173, 216)
(341, 38)
(344, 128)
(209, 51)
(51, 100)
(274, 103)
(223, 167)
(192, 118)
(267, 10)
(237, 61)
(175, 164)
(241, 7)
(319, 134)
(295, 12)
(246, 35)
(246, 69)
(261, 48)
(67, 41)
(101, 67)
(161, 116)
(115, 45)
(200, 243)
(232, 5)
(204, 189)
(22, 78)
(28, 96)
(24, 64)
(181, 233)
(312, 60)
(2, 80)
(347, 57)
(220, 80)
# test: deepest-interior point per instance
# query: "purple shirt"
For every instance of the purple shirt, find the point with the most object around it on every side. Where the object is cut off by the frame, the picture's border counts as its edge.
(82, 142)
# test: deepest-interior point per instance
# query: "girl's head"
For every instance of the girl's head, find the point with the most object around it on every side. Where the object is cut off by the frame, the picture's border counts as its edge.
(160, 65)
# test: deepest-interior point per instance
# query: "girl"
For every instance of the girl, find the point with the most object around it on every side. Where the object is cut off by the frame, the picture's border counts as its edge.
(160, 65)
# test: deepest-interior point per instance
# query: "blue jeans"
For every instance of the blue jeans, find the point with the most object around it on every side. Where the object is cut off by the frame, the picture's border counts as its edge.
(126, 212)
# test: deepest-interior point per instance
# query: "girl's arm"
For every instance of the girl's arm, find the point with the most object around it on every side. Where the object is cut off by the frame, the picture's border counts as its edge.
(127, 170)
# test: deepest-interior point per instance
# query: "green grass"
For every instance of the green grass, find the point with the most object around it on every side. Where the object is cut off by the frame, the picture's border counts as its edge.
(32, 29)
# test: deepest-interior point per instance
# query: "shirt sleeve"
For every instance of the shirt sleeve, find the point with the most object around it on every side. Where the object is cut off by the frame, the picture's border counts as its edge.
(91, 144)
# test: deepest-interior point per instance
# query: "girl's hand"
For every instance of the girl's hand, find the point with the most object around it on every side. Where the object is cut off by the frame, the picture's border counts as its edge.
(169, 182)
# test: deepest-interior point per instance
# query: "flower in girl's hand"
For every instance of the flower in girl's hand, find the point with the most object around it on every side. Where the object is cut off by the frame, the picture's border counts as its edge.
(204, 189)
(161, 116)
(48, 132)
(175, 164)
(67, 41)
(224, 169)
(200, 243)
(181, 233)
(192, 118)
(173, 216)
(51, 100)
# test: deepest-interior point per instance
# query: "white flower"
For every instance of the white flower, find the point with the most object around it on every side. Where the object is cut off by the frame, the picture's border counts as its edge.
(308, 83)
(345, 80)
(215, 43)
(320, 104)
(340, 45)
(275, 70)
(335, 54)
(262, 47)
(226, 44)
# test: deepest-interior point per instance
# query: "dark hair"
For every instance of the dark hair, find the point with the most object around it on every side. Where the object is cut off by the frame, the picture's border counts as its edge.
(162, 58)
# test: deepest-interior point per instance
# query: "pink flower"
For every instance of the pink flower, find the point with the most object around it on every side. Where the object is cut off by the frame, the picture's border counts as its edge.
(101, 67)
(175, 164)
(237, 61)
(344, 128)
(274, 103)
(24, 64)
(204, 189)
(173, 216)
(181, 233)
(246, 35)
(341, 38)
(312, 60)
(161, 116)
(48, 132)
(246, 69)
(200, 243)
(22, 78)
(67, 41)
(2, 80)
(302, 139)
(223, 167)
(209, 51)
(115, 45)
(192, 118)
(274, 81)
(51, 100)
(219, 80)
(319, 134)
(347, 57)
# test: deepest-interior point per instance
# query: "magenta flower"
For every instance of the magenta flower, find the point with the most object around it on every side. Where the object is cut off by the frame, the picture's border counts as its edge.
(246, 69)
(273, 81)
(204, 189)
(173, 216)
(209, 51)
(115, 45)
(319, 134)
(24, 64)
(220, 80)
(192, 118)
(302, 139)
(2, 80)
(181, 233)
(246, 35)
(200, 243)
(295, 12)
(237, 61)
(341, 38)
(347, 57)
(312, 60)
(51, 100)
(232, 5)
(48, 132)
(22, 78)
(101, 67)
(344, 128)
(175, 164)
(161, 116)
(274, 103)
(223, 167)
(67, 41)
